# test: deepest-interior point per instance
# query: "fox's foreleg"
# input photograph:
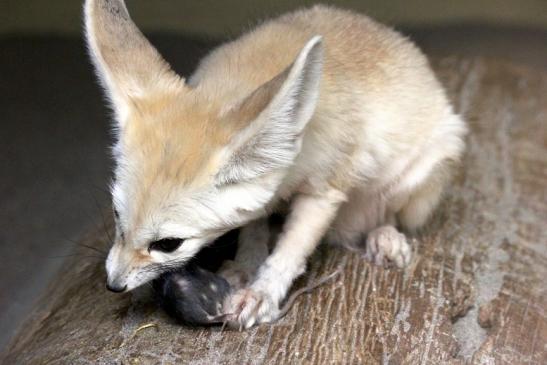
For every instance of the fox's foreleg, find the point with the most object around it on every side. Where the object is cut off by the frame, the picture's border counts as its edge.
(309, 219)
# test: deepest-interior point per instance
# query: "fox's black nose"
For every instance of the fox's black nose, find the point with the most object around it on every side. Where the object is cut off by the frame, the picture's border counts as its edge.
(116, 289)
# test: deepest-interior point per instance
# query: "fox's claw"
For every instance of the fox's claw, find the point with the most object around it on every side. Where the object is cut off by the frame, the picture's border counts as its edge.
(248, 307)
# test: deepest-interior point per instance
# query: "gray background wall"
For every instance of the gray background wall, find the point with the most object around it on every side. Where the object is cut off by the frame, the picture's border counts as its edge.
(216, 18)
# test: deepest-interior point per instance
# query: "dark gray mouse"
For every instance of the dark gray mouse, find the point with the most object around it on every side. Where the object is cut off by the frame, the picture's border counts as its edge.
(192, 295)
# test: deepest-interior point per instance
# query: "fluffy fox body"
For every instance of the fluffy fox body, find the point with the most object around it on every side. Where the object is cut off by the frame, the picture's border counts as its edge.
(322, 109)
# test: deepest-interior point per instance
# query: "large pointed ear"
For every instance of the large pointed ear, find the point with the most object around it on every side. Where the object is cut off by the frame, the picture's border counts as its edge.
(280, 110)
(127, 64)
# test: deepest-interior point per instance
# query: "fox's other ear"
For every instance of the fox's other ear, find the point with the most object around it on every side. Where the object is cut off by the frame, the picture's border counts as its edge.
(279, 109)
(128, 65)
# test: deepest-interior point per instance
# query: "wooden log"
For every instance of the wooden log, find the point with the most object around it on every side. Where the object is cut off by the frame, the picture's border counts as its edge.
(474, 292)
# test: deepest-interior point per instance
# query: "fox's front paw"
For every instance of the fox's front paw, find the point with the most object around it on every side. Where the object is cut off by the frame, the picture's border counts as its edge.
(249, 306)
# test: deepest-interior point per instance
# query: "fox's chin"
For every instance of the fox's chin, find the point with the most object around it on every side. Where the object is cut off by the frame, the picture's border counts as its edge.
(130, 285)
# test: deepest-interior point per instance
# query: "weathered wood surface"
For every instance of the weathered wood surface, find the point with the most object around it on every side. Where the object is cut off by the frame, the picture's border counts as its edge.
(475, 291)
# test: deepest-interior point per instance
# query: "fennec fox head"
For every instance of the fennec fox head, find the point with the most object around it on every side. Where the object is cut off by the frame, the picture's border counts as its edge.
(189, 166)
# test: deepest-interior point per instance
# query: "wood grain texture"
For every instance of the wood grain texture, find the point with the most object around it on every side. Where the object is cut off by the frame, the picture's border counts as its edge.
(475, 291)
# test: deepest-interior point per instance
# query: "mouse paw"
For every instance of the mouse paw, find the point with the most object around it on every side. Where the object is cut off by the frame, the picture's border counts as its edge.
(386, 245)
(248, 306)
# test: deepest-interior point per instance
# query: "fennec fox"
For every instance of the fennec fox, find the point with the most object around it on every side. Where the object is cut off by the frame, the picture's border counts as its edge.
(324, 109)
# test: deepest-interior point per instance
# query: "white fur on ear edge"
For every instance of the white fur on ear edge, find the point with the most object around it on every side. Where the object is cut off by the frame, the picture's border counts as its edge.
(273, 139)
(297, 98)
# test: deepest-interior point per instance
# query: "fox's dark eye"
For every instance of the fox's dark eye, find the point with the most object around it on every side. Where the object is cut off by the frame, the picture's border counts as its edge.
(165, 245)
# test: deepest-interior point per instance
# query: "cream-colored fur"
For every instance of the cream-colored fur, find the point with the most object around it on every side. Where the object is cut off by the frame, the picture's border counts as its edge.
(324, 108)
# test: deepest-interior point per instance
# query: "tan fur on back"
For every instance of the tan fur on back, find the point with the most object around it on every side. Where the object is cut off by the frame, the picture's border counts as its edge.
(365, 64)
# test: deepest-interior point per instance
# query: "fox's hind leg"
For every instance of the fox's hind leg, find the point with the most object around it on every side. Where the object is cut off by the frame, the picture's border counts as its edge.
(367, 222)
(410, 211)
(423, 200)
